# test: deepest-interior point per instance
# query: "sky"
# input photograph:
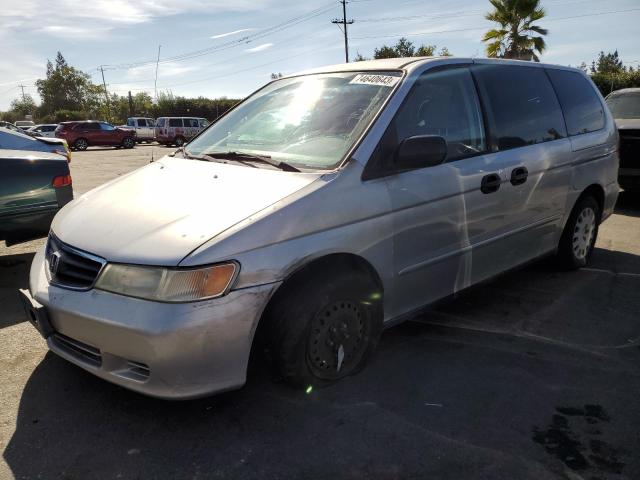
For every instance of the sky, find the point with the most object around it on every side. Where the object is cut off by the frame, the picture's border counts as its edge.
(229, 48)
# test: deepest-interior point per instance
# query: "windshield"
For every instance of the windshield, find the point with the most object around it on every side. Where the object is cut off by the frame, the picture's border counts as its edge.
(625, 105)
(309, 121)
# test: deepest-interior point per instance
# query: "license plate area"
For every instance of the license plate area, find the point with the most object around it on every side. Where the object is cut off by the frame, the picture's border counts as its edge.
(36, 313)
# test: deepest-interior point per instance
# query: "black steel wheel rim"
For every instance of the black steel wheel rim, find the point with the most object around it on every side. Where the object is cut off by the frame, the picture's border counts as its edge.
(337, 339)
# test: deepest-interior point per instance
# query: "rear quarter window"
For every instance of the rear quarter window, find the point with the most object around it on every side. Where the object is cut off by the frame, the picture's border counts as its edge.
(521, 105)
(582, 108)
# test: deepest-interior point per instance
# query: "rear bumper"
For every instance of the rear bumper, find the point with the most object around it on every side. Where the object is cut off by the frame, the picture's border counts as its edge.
(171, 351)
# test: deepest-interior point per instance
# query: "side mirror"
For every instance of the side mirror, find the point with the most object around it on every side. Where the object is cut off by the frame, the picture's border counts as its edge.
(420, 151)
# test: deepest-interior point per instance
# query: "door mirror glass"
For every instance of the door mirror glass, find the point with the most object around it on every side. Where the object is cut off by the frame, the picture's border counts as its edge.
(420, 151)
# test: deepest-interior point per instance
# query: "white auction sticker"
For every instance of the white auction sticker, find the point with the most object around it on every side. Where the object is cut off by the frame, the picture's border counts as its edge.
(373, 79)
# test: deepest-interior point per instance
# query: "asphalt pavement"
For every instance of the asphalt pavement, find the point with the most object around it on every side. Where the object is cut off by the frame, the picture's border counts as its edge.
(533, 375)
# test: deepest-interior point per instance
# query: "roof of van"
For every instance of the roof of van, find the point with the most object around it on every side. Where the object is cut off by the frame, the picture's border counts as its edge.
(413, 62)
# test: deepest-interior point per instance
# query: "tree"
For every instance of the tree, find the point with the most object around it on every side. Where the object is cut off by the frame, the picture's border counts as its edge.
(515, 37)
(360, 58)
(23, 106)
(405, 48)
(67, 88)
(607, 63)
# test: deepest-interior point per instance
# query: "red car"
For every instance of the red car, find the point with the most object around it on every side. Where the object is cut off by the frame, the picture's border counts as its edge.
(80, 135)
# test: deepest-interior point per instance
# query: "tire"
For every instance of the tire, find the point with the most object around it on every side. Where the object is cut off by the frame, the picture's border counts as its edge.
(128, 142)
(81, 144)
(324, 327)
(179, 141)
(579, 234)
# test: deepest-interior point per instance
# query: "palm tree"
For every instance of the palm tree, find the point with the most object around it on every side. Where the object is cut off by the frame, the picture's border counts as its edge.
(514, 38)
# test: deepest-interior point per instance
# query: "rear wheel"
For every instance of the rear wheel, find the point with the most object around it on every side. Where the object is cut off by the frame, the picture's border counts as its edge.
(580, 233)
(80, 144)
(128, 142)
(324, 327)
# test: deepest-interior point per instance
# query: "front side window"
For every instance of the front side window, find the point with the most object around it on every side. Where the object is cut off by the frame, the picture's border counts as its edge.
(106, 127)
(160, 122)
(131, 122)
(443, 104)
(309, 121)
(142, 122)
(582, 109)
(624, 105)
(90, 126)
(521, 105)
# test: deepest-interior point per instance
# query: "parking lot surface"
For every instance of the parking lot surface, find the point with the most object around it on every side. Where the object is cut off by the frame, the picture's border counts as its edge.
(531, 376)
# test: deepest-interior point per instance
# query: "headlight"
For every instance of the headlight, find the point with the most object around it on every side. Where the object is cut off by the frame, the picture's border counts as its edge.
(167, 284)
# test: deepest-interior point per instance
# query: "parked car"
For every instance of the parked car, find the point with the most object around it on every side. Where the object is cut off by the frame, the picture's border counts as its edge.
(43, 130)
(34, 186)
(83, 134)
(178, 130)
(10, 126)
(625, 108)
(144, 127)
(24, 124)
(19, 140)
(323, 208)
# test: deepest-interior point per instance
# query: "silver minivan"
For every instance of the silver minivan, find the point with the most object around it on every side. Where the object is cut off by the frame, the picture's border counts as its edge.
(325, 207)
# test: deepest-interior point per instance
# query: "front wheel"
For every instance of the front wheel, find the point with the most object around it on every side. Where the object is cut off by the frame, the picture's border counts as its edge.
(324, 327)
(179, 141)
(128, 142)
(580, 233)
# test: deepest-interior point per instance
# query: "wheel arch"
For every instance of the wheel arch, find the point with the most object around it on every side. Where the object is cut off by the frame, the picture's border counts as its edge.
(595, 190)
(333, 262)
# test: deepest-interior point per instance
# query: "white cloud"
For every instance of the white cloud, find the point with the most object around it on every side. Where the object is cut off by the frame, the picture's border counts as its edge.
(221, 35)
(259, 48)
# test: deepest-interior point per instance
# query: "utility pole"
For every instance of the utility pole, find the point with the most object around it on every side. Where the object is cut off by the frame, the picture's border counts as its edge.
(130, 105)
(155, 84)
(22, 87)
(106, 94)
(344, 23)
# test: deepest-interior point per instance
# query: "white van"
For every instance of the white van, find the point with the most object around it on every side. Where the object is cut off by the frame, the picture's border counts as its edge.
(178, 130)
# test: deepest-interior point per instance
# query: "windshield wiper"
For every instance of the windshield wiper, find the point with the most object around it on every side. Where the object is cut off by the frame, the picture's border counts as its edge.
(254, 158)
(210, 158)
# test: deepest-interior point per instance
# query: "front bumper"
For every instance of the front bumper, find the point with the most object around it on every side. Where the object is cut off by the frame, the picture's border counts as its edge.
(171, 351)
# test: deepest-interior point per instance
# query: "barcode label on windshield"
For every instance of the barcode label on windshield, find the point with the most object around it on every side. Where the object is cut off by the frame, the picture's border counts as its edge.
(381, 80)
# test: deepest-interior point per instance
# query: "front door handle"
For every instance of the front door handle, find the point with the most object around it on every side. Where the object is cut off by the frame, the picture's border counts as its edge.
(519, 175)
(490, 183)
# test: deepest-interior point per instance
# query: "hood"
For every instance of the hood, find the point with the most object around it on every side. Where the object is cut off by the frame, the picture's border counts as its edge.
(160, 213)
(628, 123)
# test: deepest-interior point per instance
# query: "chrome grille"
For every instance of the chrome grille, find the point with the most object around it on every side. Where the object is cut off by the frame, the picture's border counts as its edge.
(71, 268)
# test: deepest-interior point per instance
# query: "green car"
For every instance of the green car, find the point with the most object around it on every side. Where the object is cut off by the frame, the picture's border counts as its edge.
(33, 187)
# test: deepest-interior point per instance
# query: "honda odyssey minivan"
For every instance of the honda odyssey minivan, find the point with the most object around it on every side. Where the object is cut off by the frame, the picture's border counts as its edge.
(325, 207)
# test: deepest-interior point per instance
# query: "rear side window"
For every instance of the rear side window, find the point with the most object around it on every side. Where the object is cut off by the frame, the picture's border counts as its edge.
(175, 122)
(581, 106)
(89, 126)
(521, 105)
(142, 122)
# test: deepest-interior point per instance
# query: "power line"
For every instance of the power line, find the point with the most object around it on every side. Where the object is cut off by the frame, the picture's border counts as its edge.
(484, 28)
(344, 23)
(230, 44)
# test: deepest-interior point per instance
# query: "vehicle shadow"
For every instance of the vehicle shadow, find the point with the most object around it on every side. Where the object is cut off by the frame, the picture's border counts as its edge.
(628, 204)
(14, 274)
(439, 400)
